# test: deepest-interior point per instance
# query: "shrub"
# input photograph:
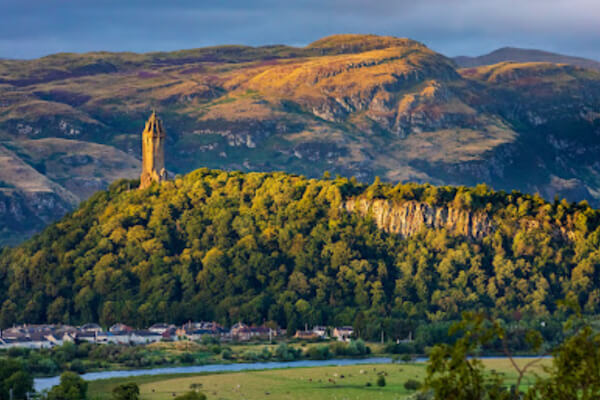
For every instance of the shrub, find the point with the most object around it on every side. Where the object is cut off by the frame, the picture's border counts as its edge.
(286, 353)
(381, 381)
(318, 353)
(412, 384)
(227, 354)
(191, 396)
(126, 391)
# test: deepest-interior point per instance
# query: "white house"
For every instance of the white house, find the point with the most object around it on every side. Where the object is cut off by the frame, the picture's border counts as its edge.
(93, 328)
(320, 331)
(160, 328)
(143, 337)
(343, 333)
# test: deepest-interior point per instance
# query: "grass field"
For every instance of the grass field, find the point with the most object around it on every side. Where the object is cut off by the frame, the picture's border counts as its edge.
(317, 383)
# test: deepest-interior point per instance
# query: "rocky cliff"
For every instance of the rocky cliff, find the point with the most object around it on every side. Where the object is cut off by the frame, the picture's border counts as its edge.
(408, 218)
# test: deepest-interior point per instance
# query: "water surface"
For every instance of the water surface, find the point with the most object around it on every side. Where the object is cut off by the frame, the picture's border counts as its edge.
(46, 383)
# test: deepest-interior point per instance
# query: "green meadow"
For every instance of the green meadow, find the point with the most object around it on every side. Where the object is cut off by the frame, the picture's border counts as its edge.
(354, 382)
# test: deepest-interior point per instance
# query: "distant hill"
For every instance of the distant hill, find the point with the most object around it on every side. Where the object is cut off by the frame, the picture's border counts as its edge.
(524, 55)
(354, 105)
(255, 247)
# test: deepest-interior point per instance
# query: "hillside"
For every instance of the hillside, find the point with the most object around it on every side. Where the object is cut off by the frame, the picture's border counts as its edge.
(236, 246)
(524, 55)
(354, 105)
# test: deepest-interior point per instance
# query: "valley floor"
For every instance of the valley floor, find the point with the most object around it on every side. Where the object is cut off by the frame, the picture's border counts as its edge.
(331, 382)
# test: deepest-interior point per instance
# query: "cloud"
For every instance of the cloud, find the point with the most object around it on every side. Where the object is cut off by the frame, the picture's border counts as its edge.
(32, 28)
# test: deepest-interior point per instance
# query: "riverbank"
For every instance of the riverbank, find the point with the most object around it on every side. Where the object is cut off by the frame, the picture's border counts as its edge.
(46, 383)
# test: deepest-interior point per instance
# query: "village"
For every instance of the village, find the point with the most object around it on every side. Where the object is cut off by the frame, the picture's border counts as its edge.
(50, 335)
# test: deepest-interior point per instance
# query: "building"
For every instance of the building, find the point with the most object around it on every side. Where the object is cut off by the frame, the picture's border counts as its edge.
(118, 328)
(320, 331)
(91, 328)
(160, 328)
(153, 152)
(343, 333)
(306, 335)
(243, 332)
(144, 337)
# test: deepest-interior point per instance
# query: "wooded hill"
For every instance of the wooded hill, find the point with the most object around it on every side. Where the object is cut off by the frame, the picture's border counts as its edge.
(276, 247)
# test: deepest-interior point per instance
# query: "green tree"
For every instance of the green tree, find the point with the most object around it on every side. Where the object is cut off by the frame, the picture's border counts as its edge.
(13, 376)
(126, 391)
(71, 387)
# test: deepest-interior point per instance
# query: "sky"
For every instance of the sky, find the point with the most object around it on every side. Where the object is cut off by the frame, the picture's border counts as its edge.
(34, 28)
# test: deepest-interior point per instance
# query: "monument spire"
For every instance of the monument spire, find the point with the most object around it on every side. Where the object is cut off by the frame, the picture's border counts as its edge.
(153, 152)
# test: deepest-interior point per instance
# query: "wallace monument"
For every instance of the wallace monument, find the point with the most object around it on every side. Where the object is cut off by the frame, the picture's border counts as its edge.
(153, 152)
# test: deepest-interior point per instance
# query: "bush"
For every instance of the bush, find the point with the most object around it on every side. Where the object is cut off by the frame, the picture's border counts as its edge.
(227, 354)
(77, 366)
(186, 358)
(354, 348)
(412, 384)
(400, 348)
(126, 391)
(191, 396)
(214, 348)
(318, 353)
(381, 381)
(286, 353)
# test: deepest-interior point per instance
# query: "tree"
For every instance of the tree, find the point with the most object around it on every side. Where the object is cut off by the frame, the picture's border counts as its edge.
(8, 314)
(453, 372)
(71, 387)
(126, 391)
(13, 376)
(575, 370)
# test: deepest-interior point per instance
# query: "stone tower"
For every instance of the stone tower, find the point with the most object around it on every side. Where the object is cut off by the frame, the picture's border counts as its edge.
(153, 152)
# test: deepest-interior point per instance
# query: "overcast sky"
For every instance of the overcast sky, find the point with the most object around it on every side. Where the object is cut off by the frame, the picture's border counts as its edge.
(33, 28)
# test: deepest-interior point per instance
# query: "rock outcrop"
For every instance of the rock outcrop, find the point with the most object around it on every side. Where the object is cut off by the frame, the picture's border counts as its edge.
(410, 217)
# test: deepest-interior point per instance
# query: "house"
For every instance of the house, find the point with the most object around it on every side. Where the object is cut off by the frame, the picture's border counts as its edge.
(84, 336)
(196, 330)
(243, 332)
(90, 328)
(120, 337)
(170, 335)
(320, 331)
(103, 337)
(160, 328)
(343, 333)
(118, 328)
(144, 337)
(306, 335)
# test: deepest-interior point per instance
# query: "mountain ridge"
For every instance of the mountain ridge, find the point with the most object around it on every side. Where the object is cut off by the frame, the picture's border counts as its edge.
(517, 54)
(355, 105)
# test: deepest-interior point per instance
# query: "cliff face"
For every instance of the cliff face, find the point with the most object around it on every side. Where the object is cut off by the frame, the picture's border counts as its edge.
(410, 217)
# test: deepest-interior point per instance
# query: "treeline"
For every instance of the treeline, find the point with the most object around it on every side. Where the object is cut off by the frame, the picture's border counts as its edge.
(259, 247)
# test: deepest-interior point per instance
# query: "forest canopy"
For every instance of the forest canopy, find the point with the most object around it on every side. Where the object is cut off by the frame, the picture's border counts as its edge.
(259, 247)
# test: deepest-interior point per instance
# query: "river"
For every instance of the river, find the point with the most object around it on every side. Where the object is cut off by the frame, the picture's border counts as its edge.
(46, 383)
